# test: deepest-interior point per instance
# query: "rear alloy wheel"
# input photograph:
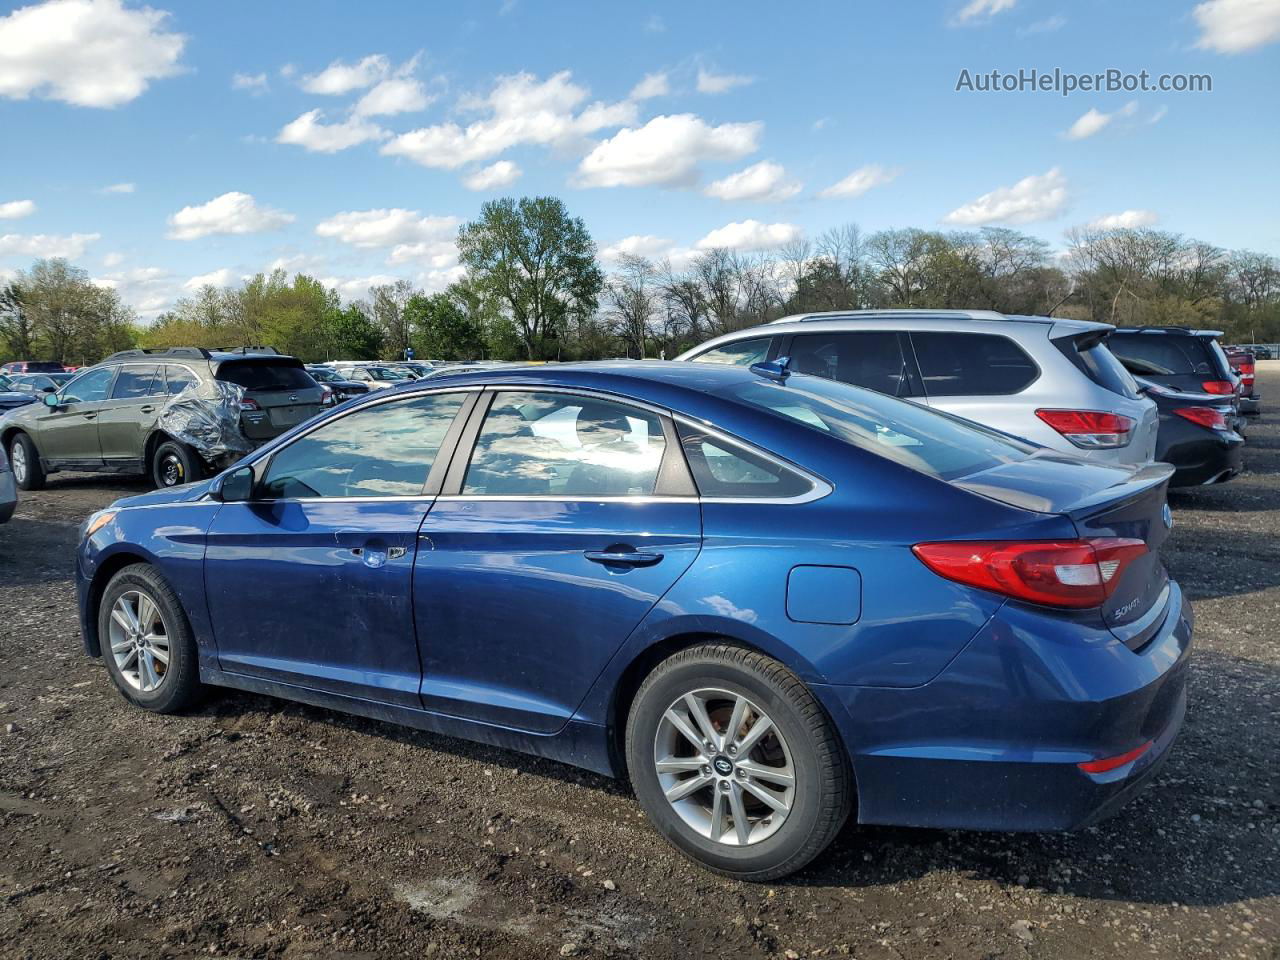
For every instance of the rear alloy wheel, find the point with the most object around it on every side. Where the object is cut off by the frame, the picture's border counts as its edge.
(174, 464)
(146, 641)
(736, 763)
(28, 474)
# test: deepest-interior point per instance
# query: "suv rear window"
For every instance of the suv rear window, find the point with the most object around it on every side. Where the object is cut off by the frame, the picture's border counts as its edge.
(972, 364)
(1089, 354)
(264, 375)
(1167, 354)
(925, 440)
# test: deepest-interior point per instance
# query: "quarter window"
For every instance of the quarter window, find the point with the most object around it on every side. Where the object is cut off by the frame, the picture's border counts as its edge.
(381, 451)
(724, 469)
(563, 445)
(91, 387)
(178, 379)
(871, 359)
(135, 380)
(742, 353)
(972, 364)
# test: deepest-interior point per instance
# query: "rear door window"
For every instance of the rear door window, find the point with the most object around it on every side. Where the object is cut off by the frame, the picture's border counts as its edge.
(264, 375)
(872, 359)
(741, 353)
(972, 364)
(135, 380)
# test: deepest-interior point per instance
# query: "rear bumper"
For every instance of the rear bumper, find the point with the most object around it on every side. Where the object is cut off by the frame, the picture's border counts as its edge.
(994, 742)
(1251, 405)
(1205, 457)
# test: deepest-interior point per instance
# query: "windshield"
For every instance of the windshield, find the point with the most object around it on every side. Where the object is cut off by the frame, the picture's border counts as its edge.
(924, 440)
(322, 375)
(388, 373)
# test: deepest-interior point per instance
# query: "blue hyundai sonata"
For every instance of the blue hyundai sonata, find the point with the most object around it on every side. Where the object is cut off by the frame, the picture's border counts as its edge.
(767, 600)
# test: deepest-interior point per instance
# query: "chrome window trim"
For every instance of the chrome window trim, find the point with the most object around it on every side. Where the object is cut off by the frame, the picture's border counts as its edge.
(551, 498)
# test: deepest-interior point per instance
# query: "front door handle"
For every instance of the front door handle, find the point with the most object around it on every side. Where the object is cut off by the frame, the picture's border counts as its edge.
(88, 416)
(148, 409)
(624, 558)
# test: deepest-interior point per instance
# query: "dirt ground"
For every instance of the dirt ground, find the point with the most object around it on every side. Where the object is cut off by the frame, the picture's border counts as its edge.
(257, 828)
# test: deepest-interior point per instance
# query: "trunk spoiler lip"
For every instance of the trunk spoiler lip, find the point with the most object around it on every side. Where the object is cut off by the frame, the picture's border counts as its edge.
(1141, 482)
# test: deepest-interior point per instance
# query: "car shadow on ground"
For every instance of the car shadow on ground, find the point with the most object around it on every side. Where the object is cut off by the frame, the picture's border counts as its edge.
(1212, 564)
(1192, 838)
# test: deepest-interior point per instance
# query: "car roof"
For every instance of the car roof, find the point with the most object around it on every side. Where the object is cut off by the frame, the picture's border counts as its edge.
(1177, 331)
(924, 316)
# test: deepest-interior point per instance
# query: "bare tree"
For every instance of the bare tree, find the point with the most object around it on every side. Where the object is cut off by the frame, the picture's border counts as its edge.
(632, 295)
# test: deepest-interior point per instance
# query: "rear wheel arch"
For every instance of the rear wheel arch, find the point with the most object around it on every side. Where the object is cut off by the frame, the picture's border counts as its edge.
(101, 577)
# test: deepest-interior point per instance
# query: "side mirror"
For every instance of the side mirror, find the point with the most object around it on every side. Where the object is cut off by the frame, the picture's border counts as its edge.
(233, 487)
(51, 401)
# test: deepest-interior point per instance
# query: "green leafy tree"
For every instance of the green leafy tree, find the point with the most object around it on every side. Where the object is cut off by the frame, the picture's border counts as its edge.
(537, 262)
(16, 340)
(352, 335)
(440, 328)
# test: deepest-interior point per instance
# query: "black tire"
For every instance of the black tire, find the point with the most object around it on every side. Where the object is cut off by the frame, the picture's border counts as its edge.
(174, 464)
(179, 684)
(823, 784)
(32, 476)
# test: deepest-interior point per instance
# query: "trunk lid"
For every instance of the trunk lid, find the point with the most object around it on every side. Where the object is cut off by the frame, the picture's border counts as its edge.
(1103, 502)
(279, 394)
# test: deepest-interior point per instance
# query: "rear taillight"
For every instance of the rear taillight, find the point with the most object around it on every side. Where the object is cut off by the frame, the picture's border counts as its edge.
(1054, 573)
(1090, 429)
(1203, 416)
(1247, 371)
(1221, 387)
(248, 403)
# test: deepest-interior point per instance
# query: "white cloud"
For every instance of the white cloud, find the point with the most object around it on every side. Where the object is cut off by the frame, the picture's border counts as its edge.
(339, 77)
(760, 181)
(392, 96)
(500, 174)
(91, 53)
(709, 82)
(750, 235)
(1161, 112)
(17, 209)
(353, 288)
(112, 259)
(1093, 121)
(221, 277)
(1048, 25)
(861, 180)
(310, 132)
(637, 245)
(1038, 197)
(982, 10)
(70, 246)
(119, 188)
(393, 228)
(521, 110)
(653, 85)
(1237, 26)
(231, 213)
(1126, 219)
(667, 150)
(149, 290)
(255, 83)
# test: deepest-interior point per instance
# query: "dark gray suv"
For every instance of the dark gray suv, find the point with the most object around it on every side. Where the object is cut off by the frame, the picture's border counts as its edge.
(171, 414)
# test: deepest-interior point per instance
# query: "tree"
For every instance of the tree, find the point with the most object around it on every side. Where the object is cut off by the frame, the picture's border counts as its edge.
(440, 328)
(71, 319)
(632, 294)
(537, 262)
(15, 326)
(351, 334)
(387, 303)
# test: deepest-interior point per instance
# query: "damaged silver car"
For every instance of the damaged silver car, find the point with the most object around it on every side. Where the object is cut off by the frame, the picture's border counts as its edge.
(172, 414)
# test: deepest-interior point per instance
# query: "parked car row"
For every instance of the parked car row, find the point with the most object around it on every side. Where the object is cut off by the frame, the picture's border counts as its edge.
(1063, 384)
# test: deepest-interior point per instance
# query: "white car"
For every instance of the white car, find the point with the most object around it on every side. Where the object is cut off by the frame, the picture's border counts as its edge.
(376, 375)
(1050, 381)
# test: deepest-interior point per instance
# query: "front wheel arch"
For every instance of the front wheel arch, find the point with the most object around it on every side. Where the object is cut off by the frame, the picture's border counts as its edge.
(101, 577)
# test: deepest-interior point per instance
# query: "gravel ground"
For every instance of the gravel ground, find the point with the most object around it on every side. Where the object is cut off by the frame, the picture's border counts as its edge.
(259, 828)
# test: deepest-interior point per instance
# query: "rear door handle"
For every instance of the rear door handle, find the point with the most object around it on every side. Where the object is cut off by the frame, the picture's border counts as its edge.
(625, 558)
(88, 416)
(148, 409)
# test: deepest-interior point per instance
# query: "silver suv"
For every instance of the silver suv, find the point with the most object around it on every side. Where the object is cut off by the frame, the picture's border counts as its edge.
(1053, 382)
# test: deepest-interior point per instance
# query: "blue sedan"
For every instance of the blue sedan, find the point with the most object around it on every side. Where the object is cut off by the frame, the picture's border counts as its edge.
(769, 600)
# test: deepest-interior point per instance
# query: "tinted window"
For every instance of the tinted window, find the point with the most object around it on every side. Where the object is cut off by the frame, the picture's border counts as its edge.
(134, 380)
(743, 353)
(724, 469)
(324, 376)
(549, 445)
(177, 379)
(90, 387)
(1100, 365)
(264, 375)
(872, 359)
(972, 364)
(1168, 354)
(381, 451)
(897, 430)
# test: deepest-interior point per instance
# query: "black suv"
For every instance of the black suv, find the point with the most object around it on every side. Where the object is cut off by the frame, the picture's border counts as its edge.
(1181, 358)
(171, 414)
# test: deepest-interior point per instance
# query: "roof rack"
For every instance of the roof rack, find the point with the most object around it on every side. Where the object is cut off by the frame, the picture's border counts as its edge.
(912, 313)
(246, 350)
(146, 352)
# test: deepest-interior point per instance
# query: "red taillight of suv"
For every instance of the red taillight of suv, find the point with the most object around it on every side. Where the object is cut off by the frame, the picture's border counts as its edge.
(1204, 416)
(1054, 573)
(1247, 371)
(1090, 429)
(248, 403)
(1220, 387)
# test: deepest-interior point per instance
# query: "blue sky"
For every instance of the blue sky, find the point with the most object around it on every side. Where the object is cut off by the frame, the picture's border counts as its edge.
(665, 126)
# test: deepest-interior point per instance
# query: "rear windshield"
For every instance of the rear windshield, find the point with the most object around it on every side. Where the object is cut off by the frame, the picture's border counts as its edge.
(1167, 354)
(264, 375)
(924, 440)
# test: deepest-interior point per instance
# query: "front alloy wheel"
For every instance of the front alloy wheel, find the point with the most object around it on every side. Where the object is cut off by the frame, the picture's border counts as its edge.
(139, 641)
(724, 767)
